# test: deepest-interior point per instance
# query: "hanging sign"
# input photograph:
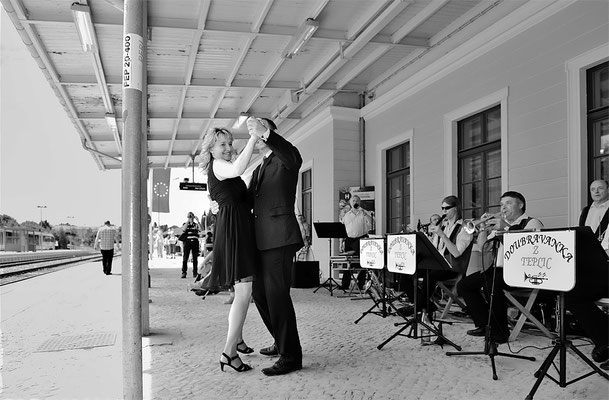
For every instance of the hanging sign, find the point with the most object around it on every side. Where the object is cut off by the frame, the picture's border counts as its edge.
(372, 253)
(402, 253)
(540, 260)
(133, 61)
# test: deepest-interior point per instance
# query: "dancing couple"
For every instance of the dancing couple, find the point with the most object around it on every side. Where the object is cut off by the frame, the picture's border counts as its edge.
(254, 251)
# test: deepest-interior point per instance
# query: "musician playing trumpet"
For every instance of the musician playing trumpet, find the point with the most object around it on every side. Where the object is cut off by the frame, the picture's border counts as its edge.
(512, 217)
(454, 243)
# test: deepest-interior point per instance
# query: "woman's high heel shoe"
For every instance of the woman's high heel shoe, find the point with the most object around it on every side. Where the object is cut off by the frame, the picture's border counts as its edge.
(241, 368)
(245, 349)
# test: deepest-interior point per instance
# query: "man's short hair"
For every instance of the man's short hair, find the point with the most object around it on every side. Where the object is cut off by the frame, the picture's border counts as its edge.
(516, 195)
(272, 125)
(107, 223)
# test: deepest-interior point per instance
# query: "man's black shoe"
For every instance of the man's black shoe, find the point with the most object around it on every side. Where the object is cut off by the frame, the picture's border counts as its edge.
(477, 332)
(270, 351)
(600, 353)
(604, 366)
(282, 367)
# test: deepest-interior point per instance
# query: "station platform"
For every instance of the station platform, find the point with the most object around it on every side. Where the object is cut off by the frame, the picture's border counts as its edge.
(62, 339)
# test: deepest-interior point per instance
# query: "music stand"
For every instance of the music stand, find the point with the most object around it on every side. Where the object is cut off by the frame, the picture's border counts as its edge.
(427, 258)
(330, 230)
(382, 301)
(490, 347)
(590, 253)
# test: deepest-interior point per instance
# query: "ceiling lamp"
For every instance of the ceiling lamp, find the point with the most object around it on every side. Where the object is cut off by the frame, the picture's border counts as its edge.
(304, 33)
(82, 17)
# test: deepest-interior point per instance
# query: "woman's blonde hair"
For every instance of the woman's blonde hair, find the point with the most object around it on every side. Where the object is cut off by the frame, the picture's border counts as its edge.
(209, 140)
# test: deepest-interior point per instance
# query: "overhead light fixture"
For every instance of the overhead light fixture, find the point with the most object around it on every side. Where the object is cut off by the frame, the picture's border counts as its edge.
(111, 121)
(86, 32)
(240, 120)
(304, 33)
(84, 25)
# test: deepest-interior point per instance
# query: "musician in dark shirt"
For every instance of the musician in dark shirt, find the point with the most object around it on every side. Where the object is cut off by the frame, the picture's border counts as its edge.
(592, 281)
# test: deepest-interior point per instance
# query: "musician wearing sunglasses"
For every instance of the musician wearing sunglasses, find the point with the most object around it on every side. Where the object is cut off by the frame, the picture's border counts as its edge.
(454, 243)
(512, 217)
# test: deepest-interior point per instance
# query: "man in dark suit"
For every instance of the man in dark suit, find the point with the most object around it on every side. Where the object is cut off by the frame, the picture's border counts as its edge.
(592, 278)
(273, 193)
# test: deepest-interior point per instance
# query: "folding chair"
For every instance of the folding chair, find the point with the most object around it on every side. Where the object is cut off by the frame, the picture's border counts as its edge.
(449, 288)
(525, 311)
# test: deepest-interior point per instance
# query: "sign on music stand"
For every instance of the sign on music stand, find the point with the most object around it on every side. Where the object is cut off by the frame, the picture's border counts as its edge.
(540, 260)
(329, 230)
(406, 254)
(549, 259)
(372, 256)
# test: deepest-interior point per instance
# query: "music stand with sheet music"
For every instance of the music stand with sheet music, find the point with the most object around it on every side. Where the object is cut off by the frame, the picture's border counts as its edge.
(427, 258)
(590, 264)
(330, 230)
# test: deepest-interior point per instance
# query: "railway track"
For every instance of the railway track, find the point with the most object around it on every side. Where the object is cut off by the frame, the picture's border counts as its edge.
(18, 267)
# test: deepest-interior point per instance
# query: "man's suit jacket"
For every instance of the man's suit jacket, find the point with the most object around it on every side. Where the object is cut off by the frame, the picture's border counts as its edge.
(273, 193)
(602, 226)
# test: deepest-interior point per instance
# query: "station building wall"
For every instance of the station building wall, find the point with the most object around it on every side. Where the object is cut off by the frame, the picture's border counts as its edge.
(535, 75)
(528, 76)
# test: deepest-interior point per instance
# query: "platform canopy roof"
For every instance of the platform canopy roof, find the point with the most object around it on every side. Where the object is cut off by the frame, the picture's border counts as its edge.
(210, 61)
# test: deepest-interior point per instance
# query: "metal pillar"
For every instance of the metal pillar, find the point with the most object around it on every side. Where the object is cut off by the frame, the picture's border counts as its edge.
(144, 186)
(134, 46)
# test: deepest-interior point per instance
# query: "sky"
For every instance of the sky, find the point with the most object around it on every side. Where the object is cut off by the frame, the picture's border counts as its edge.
(42, 162)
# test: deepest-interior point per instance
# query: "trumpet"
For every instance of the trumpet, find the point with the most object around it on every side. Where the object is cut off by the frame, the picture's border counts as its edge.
(470, 225)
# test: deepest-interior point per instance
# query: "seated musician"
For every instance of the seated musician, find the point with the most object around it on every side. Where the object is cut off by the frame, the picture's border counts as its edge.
(513, 217)
(454, 243)
(591, 286)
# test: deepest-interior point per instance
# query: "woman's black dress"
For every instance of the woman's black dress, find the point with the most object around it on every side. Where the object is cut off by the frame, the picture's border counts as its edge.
(234, 240)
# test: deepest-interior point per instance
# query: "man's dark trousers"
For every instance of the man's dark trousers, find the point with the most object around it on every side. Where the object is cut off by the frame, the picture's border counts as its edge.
(271, 291)
(107, 256)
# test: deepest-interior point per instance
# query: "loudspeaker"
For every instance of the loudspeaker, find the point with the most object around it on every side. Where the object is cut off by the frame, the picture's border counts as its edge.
(305, 274)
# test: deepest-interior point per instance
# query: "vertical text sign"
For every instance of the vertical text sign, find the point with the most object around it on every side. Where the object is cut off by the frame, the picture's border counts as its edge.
(402, 253)
(540, 260)
(372, 253)
(133, 59)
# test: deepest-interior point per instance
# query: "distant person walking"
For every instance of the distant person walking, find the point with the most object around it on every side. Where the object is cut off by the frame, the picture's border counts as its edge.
(104, 240)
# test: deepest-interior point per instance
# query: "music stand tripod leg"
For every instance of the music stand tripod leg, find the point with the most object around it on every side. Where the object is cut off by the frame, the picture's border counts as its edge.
(330, 282)
(560, 347)
(490, 347)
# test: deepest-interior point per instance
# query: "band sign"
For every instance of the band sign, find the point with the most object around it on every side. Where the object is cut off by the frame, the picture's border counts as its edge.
(133, 61)
(540, 260)
(402, 253)
(193, 186)
(372, 253)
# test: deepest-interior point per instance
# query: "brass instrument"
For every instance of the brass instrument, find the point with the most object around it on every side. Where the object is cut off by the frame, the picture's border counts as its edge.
(425, 227)
(470, 226)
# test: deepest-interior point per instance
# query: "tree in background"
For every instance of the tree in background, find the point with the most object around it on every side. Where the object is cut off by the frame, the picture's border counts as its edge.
(8, 221)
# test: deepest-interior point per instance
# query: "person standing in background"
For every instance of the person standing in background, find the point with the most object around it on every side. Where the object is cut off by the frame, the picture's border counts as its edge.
(104, 240)
(190, 243)
(592, 281)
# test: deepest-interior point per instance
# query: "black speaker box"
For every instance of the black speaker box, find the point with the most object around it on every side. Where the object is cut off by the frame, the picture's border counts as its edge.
(305, 274)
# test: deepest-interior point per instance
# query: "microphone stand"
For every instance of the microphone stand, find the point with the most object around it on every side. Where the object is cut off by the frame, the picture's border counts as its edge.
(490, 347)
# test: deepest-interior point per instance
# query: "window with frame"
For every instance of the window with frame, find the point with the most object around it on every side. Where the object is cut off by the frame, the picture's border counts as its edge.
(307, 199)
(479, 160)
(597, 113)
(398, 187)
